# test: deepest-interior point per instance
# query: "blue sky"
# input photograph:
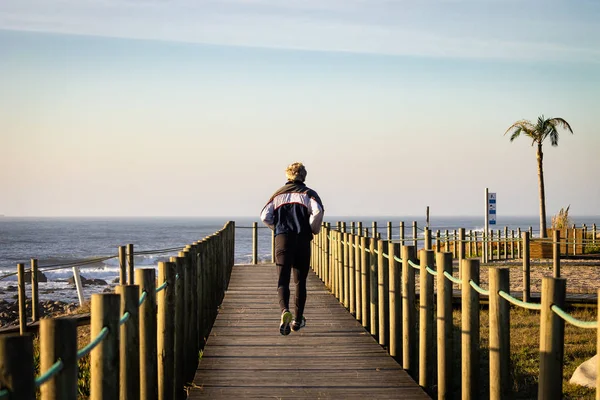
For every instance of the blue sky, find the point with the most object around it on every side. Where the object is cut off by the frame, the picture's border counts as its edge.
(196, 107)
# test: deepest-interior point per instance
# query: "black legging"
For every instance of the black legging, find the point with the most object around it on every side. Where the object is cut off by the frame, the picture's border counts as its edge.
(292, 252)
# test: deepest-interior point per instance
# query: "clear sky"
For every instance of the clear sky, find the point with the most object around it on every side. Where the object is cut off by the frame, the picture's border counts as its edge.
(195, 108)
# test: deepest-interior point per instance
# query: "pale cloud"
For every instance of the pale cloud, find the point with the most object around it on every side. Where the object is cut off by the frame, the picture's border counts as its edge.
(534, 30)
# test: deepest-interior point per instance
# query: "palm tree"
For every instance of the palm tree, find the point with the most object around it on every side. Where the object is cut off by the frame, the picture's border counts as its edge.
(538, 133)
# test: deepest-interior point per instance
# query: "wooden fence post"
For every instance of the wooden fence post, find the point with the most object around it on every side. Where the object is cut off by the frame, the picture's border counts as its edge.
(145, 277)
(444, 325)
(395, 298)
(461, 249)
(22, 298)
(389, 230)
(357, 268)
(427, 237)
(470, 329)
(364, 279)
(130, 342)
(556, 253)
(346, 264)
(415, 234)
(35, 295)
(326, 259)
(105, 359)
(383, 292)
(374, 234)
(180, 345)
(255, 243)
(512, 244)
(526, 267)
(426, 343)
(519, 243)
(165, 300)
(438, 242)
(58, 339)
(552, 339)
(373, 289)
(409, 319)
(122, 265)
(16, 364)
(351, 273)
(131, 263)
(401, 233)
(499, 314)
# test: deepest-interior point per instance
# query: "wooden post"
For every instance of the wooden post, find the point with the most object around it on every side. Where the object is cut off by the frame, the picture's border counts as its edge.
(447, 242)
(351, 276)
(22, 298)
(526, 268)
(470, 329)
(415, 235)
(506, 242)
(58, 340)
(130, 342)
(165, 300)
(122, 265)
(531, 231)
(409, 318)
(327, 260)
(16, 364)
(594, 241)
(145, 277)
(556, 253)
(357, 285)
(389, 230)
(130, 263)
(444, 325)
(426, 343)
(461, 249)
(395, 299)
(491, 245)
(374, 225)
(427, 235)
(499, 314)
(552, 335)
(519, 235)
(273, 246)
(383, 292)
(105, 359)
(373, 289)
(346, 264)
(455, 247)
(35, 295)
(364, 280)
(353, 227)
(255, 243)
(438, 242)
(180, 346)
(401, 233)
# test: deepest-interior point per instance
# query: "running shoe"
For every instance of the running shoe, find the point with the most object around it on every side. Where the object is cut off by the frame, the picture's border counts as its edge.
(286, 318)
(297, 325)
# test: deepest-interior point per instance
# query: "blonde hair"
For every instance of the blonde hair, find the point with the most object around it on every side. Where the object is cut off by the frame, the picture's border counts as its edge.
(295, 172)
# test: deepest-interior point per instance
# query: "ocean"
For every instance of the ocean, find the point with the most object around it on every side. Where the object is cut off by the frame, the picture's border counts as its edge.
(64, 240)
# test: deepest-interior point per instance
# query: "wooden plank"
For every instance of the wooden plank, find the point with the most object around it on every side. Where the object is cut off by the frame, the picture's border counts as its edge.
(332, 357)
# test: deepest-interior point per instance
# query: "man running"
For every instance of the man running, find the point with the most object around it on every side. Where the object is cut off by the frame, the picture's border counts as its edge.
(295, 213)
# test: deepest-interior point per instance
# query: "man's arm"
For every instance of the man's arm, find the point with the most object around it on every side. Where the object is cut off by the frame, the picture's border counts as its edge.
(267, 215)
(316, 216)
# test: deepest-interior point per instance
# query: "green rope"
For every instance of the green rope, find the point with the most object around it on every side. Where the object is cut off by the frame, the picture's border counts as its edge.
(124, 318)
(367, 250)
(572, 320)
(432, 272)
(53, 370)
(452, 279)
(375, 251)
(85, 351)
(4, 394)
(385, 256)
(143, 297)
(397, 259)
(479, 289)
(412, 264)
(517, 302)
(161, 287)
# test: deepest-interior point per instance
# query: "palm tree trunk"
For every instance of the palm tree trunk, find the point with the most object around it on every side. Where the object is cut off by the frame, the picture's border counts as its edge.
(540, 158)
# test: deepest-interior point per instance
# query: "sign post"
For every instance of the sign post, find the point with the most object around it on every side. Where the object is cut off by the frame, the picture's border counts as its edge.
(490, 219)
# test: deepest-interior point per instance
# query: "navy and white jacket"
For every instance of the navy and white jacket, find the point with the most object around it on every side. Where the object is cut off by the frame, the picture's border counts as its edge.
(294, 208)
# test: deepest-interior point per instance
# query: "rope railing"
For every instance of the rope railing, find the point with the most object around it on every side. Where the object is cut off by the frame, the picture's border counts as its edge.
(412, 264)
(161, 287)
(478, 288)
(520, 303)
(52, 371)
(452, 279)
(432, 272)
(572, 320)
(143, 297)
(93, 344)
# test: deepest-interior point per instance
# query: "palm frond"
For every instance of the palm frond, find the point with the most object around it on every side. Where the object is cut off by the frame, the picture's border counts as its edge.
(561, 123)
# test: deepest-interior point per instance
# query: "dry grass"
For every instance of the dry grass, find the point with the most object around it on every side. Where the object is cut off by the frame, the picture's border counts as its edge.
(580, 345)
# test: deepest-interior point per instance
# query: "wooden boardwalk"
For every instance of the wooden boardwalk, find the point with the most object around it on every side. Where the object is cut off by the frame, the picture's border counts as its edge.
(332, 357)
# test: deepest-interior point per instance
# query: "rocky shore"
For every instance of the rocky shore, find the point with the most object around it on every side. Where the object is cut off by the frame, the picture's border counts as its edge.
(9, 311)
